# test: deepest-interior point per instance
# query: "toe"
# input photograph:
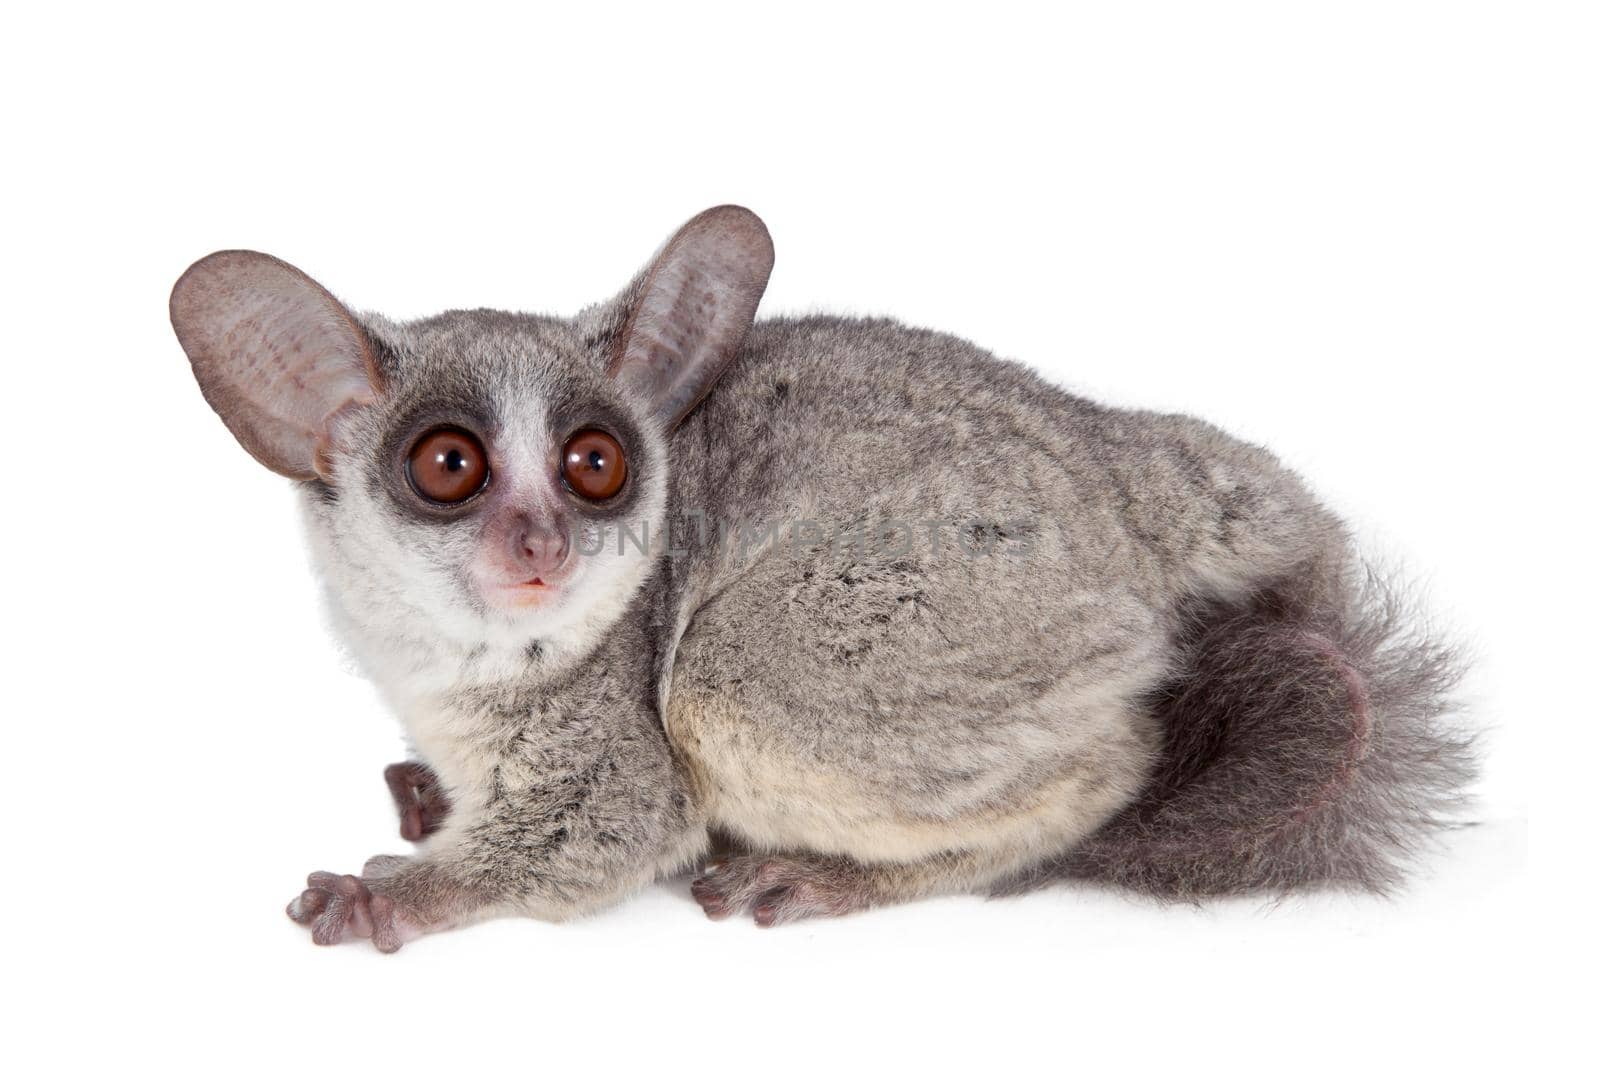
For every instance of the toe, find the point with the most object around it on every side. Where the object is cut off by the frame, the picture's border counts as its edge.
(308, 905)
(411, 824)
(711, 899)
(385, 925)
(769, 907)
(328, 927)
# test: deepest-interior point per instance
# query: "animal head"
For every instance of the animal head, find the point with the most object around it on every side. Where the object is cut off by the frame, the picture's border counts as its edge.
(470, 475)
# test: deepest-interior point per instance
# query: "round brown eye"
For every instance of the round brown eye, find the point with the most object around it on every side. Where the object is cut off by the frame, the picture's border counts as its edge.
(447, 466)
(592, 465)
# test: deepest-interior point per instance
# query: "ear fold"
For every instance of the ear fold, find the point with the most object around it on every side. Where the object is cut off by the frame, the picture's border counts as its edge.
(692, 309)
(275, 355)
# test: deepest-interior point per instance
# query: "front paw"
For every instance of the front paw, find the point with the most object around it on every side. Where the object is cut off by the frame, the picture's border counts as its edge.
(344, 907)
(419, 797)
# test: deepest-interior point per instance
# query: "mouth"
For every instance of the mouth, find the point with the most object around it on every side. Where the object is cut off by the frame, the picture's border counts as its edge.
(531, 593)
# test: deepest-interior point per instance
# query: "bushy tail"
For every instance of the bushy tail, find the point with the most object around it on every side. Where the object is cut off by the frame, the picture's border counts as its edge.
(1311, 740)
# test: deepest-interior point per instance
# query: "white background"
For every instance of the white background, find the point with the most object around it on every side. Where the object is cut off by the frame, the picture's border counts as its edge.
(1363, 234)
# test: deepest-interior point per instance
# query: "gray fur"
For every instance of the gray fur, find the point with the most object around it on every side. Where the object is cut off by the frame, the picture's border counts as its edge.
(1168, 674)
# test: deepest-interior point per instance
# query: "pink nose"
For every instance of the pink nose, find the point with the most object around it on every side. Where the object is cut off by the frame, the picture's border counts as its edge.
(538, 549)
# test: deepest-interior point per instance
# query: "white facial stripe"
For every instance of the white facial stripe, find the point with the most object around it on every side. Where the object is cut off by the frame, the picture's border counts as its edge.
(525, 449)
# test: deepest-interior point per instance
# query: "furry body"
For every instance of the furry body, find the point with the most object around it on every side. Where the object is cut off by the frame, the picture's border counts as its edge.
(944, 722)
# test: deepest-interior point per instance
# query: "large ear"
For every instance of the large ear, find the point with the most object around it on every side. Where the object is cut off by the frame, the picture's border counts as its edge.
(275, 355)
(692, 307)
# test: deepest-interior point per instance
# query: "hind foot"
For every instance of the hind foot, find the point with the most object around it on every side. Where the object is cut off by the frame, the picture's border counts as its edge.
(782, 889)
